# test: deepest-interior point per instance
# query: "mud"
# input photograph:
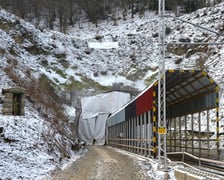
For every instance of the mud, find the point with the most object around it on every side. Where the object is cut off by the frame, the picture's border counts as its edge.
(103, 163)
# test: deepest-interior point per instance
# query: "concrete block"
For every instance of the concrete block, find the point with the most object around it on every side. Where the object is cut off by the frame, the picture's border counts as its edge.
(179, 174)
(194, 177)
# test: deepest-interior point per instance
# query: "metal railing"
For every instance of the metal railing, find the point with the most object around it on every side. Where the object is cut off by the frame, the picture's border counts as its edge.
(213, 166)
(138, 146)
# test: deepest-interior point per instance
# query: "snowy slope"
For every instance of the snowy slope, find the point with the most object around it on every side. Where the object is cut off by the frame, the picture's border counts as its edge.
(23, 152)
(66, 58)
(27, 143)
(69, 62)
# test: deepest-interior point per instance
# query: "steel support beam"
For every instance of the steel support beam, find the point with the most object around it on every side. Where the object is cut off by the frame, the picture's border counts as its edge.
(162, 85)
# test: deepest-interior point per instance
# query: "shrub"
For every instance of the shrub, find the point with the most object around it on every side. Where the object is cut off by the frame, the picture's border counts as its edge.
(168, 30)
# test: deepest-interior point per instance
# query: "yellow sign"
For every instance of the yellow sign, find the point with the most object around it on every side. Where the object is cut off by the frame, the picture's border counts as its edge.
(162, 130)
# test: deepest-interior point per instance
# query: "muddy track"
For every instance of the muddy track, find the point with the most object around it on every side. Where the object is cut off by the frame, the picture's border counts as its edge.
(102, 163)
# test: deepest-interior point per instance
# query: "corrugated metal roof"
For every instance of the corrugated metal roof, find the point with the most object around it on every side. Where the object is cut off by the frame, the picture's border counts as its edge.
(189, 91)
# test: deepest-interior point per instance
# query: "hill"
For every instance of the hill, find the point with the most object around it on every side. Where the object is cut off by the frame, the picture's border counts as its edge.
(57, 69)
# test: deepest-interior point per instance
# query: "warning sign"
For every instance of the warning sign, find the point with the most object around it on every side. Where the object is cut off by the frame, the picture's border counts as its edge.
(162, 130)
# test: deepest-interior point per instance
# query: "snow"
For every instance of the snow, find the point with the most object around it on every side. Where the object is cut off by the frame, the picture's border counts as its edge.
(103, 45)
(71, 111)
(151, 166)
(23, 152)
(123, 51)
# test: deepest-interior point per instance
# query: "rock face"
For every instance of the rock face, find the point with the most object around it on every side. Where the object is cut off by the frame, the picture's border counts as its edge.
(14, 101)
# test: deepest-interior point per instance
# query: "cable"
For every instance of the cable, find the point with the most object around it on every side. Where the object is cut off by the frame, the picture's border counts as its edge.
(210, 30)
(197, 43)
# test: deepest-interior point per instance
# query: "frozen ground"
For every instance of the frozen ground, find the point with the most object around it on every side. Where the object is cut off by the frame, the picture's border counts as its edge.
(23, 151)
(102, 162)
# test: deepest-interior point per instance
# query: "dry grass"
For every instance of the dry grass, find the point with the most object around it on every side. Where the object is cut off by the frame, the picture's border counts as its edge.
(42, 95)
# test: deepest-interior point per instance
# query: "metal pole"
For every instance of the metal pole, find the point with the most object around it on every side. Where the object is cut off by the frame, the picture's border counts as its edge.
(162, 84)
(159, 81)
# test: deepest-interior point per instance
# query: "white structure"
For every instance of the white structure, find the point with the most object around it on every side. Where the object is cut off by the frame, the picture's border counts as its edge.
(95, 111)
(103, 45)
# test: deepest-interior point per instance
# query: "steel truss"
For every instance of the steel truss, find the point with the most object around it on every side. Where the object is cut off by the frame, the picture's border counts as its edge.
(162, 86)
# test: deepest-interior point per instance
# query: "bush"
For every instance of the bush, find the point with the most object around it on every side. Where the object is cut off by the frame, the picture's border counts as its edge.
(168, 30)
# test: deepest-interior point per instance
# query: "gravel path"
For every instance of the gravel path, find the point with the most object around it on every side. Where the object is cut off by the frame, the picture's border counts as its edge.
(103, 163)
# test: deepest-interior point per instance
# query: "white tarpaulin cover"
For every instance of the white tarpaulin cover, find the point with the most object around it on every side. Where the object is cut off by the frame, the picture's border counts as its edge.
(103, 45)
(95, 110)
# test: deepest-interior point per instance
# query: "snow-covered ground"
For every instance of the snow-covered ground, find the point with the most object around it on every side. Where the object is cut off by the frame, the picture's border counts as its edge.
(66, 59)
(24, 151)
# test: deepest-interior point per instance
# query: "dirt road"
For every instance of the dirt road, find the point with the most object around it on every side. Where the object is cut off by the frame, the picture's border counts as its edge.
(103, 163)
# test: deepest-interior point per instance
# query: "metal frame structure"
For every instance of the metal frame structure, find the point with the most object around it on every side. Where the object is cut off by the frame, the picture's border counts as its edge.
(191, 95)
(162, 120)
(192, 98)
(162, 85)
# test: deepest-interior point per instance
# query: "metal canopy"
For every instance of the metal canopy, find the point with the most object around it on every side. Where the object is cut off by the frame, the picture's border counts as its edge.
(189, 91)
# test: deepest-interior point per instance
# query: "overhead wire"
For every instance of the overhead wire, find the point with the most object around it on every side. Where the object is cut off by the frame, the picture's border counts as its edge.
(196, 25)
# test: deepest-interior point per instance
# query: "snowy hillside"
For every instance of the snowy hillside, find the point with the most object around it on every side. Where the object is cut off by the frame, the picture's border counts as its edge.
(67, 59)
(31, 147)
(27, 53)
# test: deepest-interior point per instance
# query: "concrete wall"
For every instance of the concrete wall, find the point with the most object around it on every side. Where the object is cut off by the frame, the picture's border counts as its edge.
(9, 104)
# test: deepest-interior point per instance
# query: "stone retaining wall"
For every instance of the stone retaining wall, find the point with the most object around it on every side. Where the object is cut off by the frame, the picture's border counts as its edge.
(14, 101)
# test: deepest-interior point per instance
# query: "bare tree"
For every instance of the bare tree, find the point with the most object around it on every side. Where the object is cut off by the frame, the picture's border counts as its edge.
(68, 11)
(62, 9)
(50, 10)
(37, 8)
(19, 7)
